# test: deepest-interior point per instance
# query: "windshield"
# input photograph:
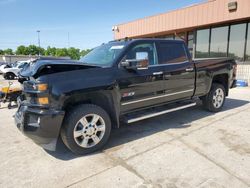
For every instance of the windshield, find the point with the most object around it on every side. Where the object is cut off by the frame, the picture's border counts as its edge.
(22, 65)
(15, 65)
(103, 55)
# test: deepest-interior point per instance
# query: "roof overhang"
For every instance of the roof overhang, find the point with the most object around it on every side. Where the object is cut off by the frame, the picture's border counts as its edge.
(205, 14)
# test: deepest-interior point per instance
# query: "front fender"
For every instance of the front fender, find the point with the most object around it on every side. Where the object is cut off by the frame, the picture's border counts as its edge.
(106, 99)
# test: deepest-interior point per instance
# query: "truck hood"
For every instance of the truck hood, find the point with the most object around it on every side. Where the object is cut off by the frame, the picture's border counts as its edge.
(43, 67)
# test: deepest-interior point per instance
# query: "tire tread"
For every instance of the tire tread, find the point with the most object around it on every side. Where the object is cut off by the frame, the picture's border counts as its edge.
(72, 116)
(207, 100)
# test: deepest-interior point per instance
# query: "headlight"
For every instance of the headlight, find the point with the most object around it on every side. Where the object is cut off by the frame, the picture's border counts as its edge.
(40, 87)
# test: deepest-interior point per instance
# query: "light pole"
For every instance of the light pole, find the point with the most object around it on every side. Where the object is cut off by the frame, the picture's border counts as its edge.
(68, 41)
(38, 35)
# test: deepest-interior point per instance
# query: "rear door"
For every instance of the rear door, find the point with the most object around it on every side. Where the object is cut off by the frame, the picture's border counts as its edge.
(178, 70)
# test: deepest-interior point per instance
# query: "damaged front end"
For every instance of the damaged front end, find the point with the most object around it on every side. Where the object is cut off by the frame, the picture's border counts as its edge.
(37, 117)
(45, 66)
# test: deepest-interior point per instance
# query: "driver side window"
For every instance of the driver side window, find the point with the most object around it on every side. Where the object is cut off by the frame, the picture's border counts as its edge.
(148, 48)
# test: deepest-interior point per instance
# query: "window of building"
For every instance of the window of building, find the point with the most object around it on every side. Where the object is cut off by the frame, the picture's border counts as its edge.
(180, 36)
(190, 42)
(237, 41)
(202, 43)
(247, 57)
(218, 45)
(171, 53)
(169, 37)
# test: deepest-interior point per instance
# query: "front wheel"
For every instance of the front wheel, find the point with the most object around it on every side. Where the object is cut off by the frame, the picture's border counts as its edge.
(86, 129)
(215, 99)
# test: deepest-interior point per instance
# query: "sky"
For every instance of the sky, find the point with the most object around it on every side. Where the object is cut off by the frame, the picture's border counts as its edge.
(88, 23)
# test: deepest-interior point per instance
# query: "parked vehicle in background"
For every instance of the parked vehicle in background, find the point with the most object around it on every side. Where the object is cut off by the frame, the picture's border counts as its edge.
(2, 63)
(10, 73)
(125, 81)
(3, 66)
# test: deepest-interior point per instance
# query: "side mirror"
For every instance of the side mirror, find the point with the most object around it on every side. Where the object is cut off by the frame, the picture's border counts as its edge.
(141, 62)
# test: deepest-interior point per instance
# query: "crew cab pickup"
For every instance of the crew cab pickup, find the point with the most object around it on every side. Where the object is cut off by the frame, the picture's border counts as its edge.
(120, 81)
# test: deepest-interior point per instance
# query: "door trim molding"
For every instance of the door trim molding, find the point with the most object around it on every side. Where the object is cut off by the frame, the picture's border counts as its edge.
(156, 97)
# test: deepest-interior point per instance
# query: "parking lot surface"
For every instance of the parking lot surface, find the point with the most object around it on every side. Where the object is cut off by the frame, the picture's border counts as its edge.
(188, 148)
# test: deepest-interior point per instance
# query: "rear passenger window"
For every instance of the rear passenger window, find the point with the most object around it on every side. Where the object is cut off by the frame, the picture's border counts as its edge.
(169, 53)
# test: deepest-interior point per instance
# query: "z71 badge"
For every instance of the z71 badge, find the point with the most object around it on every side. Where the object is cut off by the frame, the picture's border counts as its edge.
(130, 94)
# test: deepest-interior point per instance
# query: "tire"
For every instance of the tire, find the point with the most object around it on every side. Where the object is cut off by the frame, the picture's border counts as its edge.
(10, 76)
(79, 132)
(215, 99)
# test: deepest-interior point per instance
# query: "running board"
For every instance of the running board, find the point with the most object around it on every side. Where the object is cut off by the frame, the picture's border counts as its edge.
(157, 113)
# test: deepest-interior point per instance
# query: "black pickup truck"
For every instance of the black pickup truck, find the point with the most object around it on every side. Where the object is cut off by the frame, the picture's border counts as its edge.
(120, 81)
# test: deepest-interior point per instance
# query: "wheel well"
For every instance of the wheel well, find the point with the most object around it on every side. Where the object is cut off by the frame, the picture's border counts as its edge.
(222, 79)
(96, 99)
(9, 73)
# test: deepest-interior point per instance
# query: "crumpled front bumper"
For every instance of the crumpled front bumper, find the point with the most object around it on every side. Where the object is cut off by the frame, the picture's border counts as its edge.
(41, 125)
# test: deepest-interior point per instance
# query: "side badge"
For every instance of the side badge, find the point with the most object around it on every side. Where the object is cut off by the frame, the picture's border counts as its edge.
(130, 94)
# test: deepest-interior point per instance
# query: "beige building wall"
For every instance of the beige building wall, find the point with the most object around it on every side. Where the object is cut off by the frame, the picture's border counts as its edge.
(205, 14)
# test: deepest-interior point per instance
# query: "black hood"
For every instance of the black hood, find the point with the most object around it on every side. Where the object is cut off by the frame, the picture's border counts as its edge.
(42, 67)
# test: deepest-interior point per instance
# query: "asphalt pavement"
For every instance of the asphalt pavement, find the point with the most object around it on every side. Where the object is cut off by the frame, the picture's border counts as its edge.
(187, 148)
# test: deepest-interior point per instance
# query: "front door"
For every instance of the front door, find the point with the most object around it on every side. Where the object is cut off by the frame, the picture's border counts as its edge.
(138, 88)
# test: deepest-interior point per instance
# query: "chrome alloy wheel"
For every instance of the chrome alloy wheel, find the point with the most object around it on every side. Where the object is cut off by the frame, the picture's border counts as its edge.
(89, 130)
(218, 98)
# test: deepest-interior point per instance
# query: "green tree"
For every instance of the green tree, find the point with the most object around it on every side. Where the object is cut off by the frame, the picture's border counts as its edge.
(74, 53)
(61, 52)
(8, 52)
(84, 52)
(33, 50)
(50, 51)
(41, 51)
(22, 50)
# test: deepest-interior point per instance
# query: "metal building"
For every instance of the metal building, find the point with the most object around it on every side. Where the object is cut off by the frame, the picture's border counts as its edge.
(216, 28)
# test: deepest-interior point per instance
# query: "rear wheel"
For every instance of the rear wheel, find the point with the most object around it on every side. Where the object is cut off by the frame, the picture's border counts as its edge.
(86, 129)
(215, 99)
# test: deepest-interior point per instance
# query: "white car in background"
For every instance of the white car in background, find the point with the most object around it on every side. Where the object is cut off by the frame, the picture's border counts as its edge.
(10, 73)
(4, 66)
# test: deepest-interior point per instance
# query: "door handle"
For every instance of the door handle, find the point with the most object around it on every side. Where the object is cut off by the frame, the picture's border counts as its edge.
(189, 69)
(158, 73)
